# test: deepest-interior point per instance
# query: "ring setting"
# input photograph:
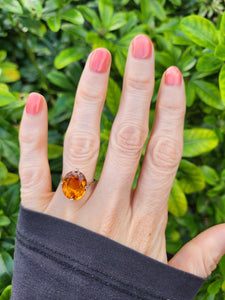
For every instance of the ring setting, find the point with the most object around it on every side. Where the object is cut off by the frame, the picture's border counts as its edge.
(74, 185)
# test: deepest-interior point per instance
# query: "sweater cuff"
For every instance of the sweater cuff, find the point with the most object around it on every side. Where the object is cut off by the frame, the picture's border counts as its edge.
(105, 259)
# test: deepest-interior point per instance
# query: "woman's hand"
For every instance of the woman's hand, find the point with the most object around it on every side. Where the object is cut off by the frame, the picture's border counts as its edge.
(135, 218)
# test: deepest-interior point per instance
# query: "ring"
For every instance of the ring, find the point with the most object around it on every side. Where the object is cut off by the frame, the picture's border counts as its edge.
(74, 185)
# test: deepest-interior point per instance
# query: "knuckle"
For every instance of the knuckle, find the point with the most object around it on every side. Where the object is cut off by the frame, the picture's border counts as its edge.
(90, 95)
(166, 153)
(82, 148)
(30, 140)
(175, 111)
(130, 139)
(138, 83)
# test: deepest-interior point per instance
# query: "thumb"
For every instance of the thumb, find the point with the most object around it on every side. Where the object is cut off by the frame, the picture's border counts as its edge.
(201, 255)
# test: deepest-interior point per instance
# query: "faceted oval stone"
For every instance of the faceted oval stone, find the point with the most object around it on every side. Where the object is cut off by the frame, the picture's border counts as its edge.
(74, 185)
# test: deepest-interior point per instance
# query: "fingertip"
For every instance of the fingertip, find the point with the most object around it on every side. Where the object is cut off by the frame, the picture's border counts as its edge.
(100, 60)
(142, 47)
(173, 76)
(34, 103)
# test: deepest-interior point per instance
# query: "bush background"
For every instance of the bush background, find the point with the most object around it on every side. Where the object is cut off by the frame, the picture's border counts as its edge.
(43, 48)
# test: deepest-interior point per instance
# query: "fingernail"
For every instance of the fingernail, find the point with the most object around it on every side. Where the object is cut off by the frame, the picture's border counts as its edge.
(141, 47)
(34, 103)
(100, 60)
(173, 76)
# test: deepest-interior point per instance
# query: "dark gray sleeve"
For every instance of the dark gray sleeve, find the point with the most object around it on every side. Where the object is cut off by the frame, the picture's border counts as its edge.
(55, 259)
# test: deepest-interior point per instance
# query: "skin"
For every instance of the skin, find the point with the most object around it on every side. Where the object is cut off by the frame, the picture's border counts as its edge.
(135, 218)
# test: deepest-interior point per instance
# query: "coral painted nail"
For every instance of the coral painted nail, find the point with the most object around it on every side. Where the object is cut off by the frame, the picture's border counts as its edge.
(100, 60)
(34, 103)
(173, 76)
(141, 47)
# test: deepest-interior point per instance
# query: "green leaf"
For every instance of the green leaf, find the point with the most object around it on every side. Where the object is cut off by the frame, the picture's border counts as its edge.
(220, 51)
(176, 2)
(180, 38)
(54, 151)
(69, 55)
(10, 179)
(214, 287)
(8, 72)
(118, 21)
(222, 29)
(3, 171)
(54, 23)
(34, 6)
(33, 25)
(73, 16)
(106, 11)
(4, 221)
(6, 97)
(90, 15)
(190, 93)
(3, 55)
(4, 87)
(12, 197)
(6, 294)
(145, 11)
(200, 30)
(120, 61)
(206, 296)
(222, 83)
(177, 204)
(9, 75)
(209, 94)
(198, 141)
(157, 9)
(186, 63)
(222, 266)
(6, 269)
(223, 286)
(208, 62)
(192, 179)
(164, 58)
(113, 96)
(11, 6)
(211, 177)
(10, 150)
(60, 79)
(74, 30)
(98, 170)
(7, 130)
(96, 41)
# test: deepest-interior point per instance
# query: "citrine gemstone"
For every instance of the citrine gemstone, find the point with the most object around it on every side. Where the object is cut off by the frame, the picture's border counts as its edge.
(74, 185)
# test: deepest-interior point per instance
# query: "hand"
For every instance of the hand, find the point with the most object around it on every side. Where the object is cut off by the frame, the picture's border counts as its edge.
(135, 218)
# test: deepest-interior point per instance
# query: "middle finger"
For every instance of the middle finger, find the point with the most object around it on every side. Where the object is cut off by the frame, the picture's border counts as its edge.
(130, 128)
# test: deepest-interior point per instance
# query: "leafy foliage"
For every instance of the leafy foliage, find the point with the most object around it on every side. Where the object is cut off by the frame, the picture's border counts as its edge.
(44, 46)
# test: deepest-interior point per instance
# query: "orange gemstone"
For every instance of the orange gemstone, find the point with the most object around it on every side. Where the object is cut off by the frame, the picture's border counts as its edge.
(74, 185)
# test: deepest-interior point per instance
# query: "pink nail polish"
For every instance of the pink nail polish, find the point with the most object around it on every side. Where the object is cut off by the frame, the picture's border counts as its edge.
(34, 103)
(141, 47)
(173, 76)
(100, 60)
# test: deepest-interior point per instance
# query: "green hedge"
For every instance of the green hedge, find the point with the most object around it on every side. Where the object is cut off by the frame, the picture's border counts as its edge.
(43, 48)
